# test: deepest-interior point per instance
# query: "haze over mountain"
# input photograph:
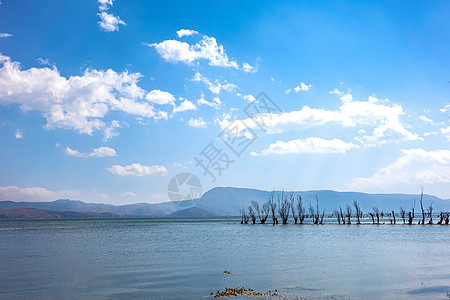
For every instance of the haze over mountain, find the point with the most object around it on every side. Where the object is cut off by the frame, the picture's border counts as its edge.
(226, 201)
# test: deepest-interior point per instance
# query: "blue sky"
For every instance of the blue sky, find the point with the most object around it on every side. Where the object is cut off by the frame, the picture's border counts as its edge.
(106, 101)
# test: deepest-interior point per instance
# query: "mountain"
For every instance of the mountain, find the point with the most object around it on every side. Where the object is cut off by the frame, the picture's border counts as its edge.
(227, 201)
(192, 212)
(32, 213)
(134, 210)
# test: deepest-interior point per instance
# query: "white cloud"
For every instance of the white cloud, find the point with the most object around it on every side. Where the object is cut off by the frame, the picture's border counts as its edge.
(186, 32)
(79, 102)
(309, 145)
(19, 134)
(389, 132)
(137, 169)
(109, 22)
(288, 91)
(160, 97)
(425, 119)
(248, 68)
(446, 132)
(216, 103)
(414, 168)
(197, 123)
(105, 4)
(5, 35)
(128, 194)
(430, 133)
(33, 194)
(216, 86)
(98, 152)
(206, 49)
(249, 97)
(384, 118)
(302, 87)
(253, 153)
(445, 108)
(103, 152)
(184, 106)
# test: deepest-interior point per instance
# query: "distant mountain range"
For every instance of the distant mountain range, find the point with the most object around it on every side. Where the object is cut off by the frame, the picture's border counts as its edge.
(220, 201)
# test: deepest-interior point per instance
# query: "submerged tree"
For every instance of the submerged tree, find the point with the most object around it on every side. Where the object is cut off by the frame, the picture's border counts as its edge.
(410, 218)
(251, 213)
(377, 214)
(358, 211)
(244, 216)
(272, 207)
(284, 207)
(393, 216)
(372, 215)
(292, 198)
(342, 215)
(348, 213)
(430, 213)
(318, 213)
(337, 215)
(300, 209)
(421, 206)
(402, 214)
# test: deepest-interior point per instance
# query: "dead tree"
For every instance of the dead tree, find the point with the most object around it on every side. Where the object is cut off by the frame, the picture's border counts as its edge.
(430, 213)
(318, 216)
(251, 213)
(410, 218)
(377, 214)
(421, 207)
(342, 215)
(244, 216)
(358, 211)
(393, 216)
(272, 207)
(348, 213)
(284, 207)
(441, 218)
(413, 207)
(292, 198)
(312, 213)
(373, 217)
(300, 209)
(402, 214)
(337, 215)
(447, 219)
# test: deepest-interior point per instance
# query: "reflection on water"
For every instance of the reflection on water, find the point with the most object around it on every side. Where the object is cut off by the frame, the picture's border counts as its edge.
(186, 259)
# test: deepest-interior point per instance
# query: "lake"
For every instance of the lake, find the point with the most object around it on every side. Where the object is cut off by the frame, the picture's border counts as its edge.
(186, 259)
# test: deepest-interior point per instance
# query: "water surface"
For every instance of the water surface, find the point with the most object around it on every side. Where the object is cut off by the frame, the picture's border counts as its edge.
(185, 259)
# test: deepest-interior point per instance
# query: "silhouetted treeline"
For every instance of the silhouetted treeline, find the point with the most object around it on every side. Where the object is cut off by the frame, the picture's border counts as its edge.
(289, 204)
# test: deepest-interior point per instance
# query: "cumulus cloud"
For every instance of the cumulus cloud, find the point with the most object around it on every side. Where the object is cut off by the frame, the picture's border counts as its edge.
(186, 32)
(98, 152)
(33, 194)
(248, 68)
(184, 106)
(197, 123)
(309, 145)
(414, 168)
(302, 87)
(446, 132)
(137, 169)
(79, 102)
(206, 49)
(5, 35)
(216, 86)
(249, 97)
(19, 134)
(384, 118)
(108, 22)
(160, 97)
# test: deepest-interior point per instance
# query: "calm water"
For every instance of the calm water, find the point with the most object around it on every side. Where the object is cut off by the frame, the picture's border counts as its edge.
(185, 259)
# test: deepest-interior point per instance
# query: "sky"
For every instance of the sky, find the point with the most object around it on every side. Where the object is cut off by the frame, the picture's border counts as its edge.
(106, 101)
